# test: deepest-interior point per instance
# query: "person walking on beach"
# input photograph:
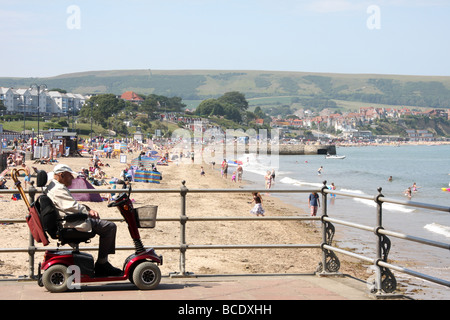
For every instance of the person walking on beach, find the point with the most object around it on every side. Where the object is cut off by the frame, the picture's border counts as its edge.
(257, 208)
(233, 177)
(224, 169)
(27, 174)
(313, 203)
(239, 173)
(268, 179)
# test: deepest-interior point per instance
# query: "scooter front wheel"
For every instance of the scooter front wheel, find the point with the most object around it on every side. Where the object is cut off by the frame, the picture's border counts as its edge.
(55, 278)
(146, 276)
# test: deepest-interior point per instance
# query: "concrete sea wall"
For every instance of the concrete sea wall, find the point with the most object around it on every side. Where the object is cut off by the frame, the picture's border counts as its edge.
(294, 149)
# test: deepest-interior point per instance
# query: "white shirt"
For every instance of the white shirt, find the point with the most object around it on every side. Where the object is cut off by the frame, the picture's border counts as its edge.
(66, 204)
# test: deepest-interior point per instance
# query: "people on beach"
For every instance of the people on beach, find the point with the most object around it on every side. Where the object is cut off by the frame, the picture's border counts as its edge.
(240, 171)
(224, 169)
(319, 171)
(408, 192)
(268, 179)
(233, 177)
(414, 187)
(257, 208)
(27, 178)
(313, 203)
(390, 179)
(202, 172)
(332, 187)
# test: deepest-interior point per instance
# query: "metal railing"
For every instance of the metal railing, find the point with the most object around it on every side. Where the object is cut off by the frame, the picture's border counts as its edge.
(385, 282)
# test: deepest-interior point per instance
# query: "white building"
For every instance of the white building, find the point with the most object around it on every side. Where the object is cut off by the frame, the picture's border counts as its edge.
(7, 96)
(26, 101)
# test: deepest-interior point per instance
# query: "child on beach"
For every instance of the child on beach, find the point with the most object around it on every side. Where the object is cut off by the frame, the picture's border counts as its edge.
(332, 187)
(233, 177)
(408, 193)
(313, 203)
(202, 172)
(257, 209)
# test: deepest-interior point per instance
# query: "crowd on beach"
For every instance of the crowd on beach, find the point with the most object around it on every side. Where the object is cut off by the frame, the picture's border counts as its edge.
(99, 151)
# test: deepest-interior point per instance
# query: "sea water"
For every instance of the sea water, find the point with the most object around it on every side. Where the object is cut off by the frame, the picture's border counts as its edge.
(363, 171)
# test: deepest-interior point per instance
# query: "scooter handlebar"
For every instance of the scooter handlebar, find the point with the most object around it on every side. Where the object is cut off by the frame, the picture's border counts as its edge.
(117, 204)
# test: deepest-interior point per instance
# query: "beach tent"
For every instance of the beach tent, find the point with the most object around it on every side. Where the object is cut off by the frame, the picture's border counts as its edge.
(147, 176)
(82, 183)
(146, 162)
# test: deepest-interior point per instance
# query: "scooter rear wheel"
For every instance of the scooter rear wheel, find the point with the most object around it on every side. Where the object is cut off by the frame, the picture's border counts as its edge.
(146, 276)
(55, 278)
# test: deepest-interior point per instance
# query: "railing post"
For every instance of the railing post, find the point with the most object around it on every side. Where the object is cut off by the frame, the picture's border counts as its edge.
(183, 219)
(324, 225)
(385, 281)
(379, 224)
(330, 262)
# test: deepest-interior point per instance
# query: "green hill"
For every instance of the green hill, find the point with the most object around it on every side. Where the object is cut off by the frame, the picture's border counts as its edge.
(420, 91)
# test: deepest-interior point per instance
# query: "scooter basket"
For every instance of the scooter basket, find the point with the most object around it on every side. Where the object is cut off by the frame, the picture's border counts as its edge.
(146, 216)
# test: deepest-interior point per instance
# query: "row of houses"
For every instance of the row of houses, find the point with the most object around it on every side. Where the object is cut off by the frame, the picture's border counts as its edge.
(351, 120)
(348, 123)
(32, 100)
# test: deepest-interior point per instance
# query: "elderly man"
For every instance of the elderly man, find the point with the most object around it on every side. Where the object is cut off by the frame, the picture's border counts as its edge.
(58, 192)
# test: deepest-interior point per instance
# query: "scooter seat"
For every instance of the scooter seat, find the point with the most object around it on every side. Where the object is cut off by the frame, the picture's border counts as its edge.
(73, 236)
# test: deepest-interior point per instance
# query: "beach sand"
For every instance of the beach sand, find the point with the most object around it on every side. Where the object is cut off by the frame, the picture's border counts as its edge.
(217, 261)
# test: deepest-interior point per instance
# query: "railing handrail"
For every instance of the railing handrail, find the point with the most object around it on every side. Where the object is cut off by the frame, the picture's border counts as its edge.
(325, 246)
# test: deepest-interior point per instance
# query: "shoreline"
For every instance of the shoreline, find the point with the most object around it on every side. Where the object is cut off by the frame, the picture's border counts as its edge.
(208, 261)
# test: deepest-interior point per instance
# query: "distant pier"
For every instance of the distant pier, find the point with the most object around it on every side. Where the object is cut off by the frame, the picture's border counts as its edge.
(293, 149)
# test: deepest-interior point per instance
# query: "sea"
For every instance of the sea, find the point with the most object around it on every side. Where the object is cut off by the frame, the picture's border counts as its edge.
(363, 171)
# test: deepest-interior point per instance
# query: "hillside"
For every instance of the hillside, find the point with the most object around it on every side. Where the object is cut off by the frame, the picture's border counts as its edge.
(421, 91)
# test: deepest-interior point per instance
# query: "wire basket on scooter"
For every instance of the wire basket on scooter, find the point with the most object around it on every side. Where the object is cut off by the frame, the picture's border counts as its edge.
(146, 216)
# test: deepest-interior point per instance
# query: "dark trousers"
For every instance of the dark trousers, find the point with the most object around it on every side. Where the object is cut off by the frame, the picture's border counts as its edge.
(107, 232)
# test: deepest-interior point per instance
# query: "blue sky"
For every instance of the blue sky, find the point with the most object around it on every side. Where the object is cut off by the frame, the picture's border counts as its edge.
(53, 37)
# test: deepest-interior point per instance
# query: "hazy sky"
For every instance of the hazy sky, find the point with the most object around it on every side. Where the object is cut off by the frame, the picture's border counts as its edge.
(52, 37)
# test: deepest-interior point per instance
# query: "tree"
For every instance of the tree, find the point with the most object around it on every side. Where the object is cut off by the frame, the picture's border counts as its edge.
(235, 99)
(103, 106)
(208, 107)
(232, 113)
(259, 113)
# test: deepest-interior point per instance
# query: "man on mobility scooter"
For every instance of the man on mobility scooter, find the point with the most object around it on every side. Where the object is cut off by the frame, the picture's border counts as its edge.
(64, 202)
(61, 269)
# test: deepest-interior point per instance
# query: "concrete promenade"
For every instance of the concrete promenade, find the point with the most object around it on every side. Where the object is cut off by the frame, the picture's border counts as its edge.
(256, 288)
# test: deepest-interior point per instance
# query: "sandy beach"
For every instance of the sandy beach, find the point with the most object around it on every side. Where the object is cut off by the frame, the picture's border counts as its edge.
(218, 261)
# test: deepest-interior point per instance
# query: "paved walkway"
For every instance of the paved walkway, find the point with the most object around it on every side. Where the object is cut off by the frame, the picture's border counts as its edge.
(258, 287)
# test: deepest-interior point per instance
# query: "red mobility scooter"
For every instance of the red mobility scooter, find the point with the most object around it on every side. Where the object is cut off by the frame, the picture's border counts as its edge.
(64, 270)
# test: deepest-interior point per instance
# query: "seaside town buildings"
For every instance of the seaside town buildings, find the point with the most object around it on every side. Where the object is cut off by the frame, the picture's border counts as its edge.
(348, 123)
(30, 101)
